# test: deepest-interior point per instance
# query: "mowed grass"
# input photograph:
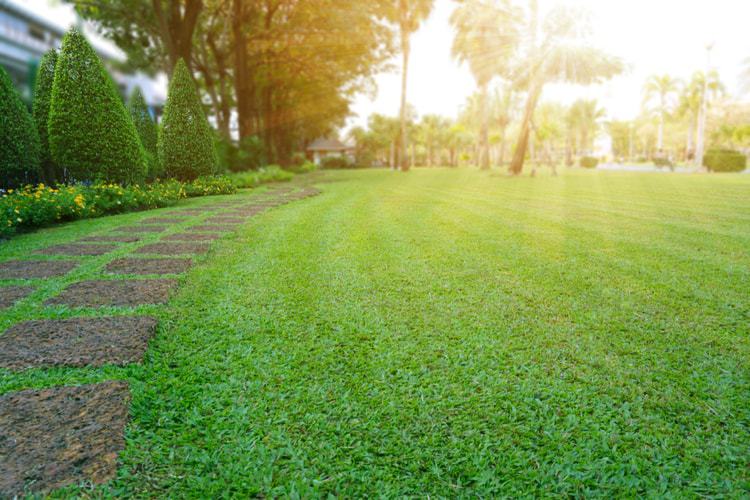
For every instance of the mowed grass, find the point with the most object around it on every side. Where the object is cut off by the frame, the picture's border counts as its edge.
(453, 333)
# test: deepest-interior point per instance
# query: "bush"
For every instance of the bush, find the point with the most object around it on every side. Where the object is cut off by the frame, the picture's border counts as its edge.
(19, 142)
(91, 133)
(335, 162)
(42, 98)
(210, 185)
(186, 143)
(724, 160)
(663, 161)
(37, 206)
(251, 154)
(589, 161)
(226, 153)
(272, 173)
(147, 133)
(303, 168)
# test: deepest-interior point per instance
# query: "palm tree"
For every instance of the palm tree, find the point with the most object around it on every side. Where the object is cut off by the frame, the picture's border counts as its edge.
(662, 88)
(486, 38)
(584, 117)
(409, 14)
(561, 56)
(432, 131)
(691, 97)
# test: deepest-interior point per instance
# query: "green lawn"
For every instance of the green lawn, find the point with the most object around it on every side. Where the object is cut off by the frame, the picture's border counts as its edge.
(447, 333)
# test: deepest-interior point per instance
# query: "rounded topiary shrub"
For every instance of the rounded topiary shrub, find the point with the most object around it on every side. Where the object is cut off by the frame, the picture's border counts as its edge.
(146, 128)
(42, 97)
(186, 144)
(19, 141)
(91, 133)
(589, 162)
(724, 160)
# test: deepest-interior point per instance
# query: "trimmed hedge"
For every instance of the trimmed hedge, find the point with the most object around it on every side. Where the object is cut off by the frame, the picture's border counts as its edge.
(19, 142)
(186, 142)
(42, 98)
(724, 160)
(91, 133)
(589, 162)
(147, 133)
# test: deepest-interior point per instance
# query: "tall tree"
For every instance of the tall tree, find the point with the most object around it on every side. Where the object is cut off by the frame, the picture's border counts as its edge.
(661, 88)
(409, 15)
(561, 55)
(486, 38)
(584, 117)
(690, 101)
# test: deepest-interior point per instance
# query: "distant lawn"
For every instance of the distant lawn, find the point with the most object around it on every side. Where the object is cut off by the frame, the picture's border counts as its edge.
(449, 333)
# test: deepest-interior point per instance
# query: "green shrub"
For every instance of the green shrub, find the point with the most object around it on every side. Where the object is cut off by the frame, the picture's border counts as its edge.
(147, 133)
(91, 133)
(186, 143)
(226, 153)
(19, 142)
(37, 206)
(271, 173)
(724, 160)
(663, 161)
(335, 162)
(42, 98)
(251, 154)
(210, 185)
(303, 168)
(589, 162)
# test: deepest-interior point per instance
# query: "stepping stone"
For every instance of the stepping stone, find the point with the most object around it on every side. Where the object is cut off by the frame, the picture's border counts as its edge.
(33, 269)
(165, 220)
(148, 266)
(141, 229)
(186, 212)
(224, 219)
(55, 437)
(9, 295)
(111, 239)
(77, 249)
(174, 248)
(117, 340)
(221, 228)
(122, 293)
(193, 237)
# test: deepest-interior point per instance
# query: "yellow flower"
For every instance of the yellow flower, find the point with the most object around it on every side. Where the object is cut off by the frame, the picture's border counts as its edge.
(78, 200)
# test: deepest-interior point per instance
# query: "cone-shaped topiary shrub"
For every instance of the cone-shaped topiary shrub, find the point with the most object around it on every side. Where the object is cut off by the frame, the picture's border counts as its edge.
(147, 132)
(91, 133)
(42, 97)
(19, 142)
(186, 146)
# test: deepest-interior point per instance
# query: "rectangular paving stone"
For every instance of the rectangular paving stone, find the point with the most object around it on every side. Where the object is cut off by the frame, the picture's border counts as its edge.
(141, 229)
(128, 265)
(117, 340)
(220, 228)
(34, 269)
(9, 295)
(165, 220)
(223, 219)
(77, 249)
(121, 293)
(110, 238)
(193, 237)
(55, 437)
(174, 248)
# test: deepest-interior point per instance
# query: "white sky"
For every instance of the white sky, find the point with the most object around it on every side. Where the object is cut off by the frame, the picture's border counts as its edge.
(651, 36)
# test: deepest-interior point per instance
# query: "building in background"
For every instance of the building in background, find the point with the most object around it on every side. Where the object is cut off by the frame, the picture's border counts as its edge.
(25, 36)
(323, 148)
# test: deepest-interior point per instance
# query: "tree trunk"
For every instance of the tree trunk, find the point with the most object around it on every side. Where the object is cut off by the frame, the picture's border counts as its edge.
(403, 161)
(241, 76)
(484, 143)
(516, 166)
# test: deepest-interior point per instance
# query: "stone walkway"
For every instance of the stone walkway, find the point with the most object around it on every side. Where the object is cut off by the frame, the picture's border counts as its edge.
(64, 435)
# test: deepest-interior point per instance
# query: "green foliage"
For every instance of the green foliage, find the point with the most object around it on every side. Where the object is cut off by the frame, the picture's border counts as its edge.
(271, 173)
(186, 143)
(41, 106)
(147, 132)
(19, 142)
(588, 161)
(725, 160)
(210, 185)
(336, 162)
(37, 206)
(303, 168)
(226, 153)
(251, 154)
(91, 133)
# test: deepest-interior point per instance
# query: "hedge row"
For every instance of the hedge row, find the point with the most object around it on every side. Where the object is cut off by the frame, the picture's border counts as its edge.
(271, 173)
(37, 206)
(725, 160)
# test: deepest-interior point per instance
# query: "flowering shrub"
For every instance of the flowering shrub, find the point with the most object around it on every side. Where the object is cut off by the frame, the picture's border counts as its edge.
(210, 185)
